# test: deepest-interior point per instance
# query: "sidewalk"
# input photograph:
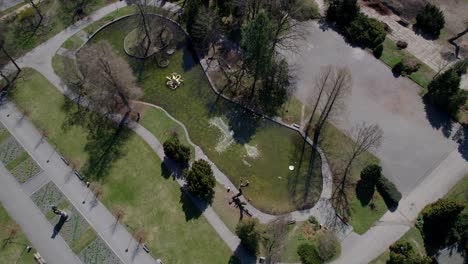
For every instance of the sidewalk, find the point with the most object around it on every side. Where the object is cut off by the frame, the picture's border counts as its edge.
(33, 223)
(98, 216)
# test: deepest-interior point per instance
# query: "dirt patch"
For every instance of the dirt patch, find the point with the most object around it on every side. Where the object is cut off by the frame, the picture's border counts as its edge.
(252, 151)
(378, 6)
(227, 137)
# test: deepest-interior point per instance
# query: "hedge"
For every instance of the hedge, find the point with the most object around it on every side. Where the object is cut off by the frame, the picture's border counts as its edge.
(389, 192)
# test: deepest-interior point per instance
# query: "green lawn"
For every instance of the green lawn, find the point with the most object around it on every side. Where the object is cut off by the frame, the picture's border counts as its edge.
(392, 55)
(136, 181)
(20, 40)
(196, 105)
(335, 143)
(14, 252)
(73, 43)
(162, 127)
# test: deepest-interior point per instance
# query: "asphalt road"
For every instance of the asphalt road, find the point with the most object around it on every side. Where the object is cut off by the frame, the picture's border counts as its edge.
(415, 134)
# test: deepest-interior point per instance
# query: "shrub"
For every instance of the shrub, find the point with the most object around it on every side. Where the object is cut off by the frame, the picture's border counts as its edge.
(402, 252)
(308, 254)
(430, 20)
(200, 180)
(371, 173)
(343, 12)
(444, 90)
(313, 221)
(365, 31)
(248, 230)
(306, 9)
(438, 222)
(173, 149)
(406, 67)
(389, 192)
(378, 50)
(402, 44)
(328, 246)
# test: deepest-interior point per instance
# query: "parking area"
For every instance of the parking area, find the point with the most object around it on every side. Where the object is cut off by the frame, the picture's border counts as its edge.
(415, 134)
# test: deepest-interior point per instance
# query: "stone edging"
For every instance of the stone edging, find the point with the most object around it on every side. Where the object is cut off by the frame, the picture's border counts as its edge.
(327, 177)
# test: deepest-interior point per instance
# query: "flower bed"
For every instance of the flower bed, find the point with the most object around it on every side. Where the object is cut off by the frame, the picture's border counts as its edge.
(98, 253)
(10, 149)
(47, 196)
(26, 170)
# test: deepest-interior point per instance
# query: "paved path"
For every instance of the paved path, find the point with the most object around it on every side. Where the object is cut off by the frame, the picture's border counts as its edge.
(363, 249)
(98, 216)
(33, 223)
(35, 183)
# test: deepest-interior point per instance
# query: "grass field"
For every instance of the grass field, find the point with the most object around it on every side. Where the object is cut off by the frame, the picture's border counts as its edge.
(72, 43)
(14, 252)
(335, 144)
(136, 181)
(392, 55)
(196, 105)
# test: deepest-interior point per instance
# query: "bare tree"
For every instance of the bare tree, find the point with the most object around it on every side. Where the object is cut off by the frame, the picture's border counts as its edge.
(119, 213)
(332, 87)
(367, 137)
(110, 84)
(141, 236)
(38, 11)
(9, 58)
(274, 239)
(207, 29)
(144, 25)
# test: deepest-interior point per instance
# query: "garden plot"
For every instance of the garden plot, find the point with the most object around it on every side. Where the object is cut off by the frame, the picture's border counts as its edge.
(76, 232)
(25, 170)
(98, 253)
(10, 149)
(15, 158)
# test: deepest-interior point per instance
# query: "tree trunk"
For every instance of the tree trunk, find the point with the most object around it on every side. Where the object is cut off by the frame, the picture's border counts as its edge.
(37, 11)
(11, 59)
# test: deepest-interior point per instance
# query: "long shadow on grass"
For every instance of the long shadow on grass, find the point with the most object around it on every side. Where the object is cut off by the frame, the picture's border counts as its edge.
(306, 173)
(105, 138)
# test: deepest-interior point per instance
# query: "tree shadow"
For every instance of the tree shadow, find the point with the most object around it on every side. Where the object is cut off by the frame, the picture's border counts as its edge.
(461, 137)
(244, 123)
(364, 192)
(105, 139)
(307, 173)
(189, 58)
(437, 118)
(242, 255)
(191, 206)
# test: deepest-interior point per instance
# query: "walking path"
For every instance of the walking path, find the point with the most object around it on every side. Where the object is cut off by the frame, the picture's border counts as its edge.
(117, 238)
(364, 248)
(33, 223)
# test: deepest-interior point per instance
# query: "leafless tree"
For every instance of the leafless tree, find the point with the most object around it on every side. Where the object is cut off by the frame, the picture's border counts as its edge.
(144, 25)
(333, 84)
(110, 83)
(119, 213)
(141, 236)
(38, 11)
(274, 239)
(8, 58)
(367, 137)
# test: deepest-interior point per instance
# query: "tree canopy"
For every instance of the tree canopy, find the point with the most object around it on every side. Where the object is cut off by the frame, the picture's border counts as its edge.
(200, 180)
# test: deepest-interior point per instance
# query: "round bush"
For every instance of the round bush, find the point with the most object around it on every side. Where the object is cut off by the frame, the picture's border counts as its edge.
(389, 192)
(431, 20)
(308, 254)
(313, 221)
(328, 246)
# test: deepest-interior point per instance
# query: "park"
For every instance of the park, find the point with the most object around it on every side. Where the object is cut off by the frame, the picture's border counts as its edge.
(271, 143)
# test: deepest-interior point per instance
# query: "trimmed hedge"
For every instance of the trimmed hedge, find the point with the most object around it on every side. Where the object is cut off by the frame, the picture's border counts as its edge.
(389, 192)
